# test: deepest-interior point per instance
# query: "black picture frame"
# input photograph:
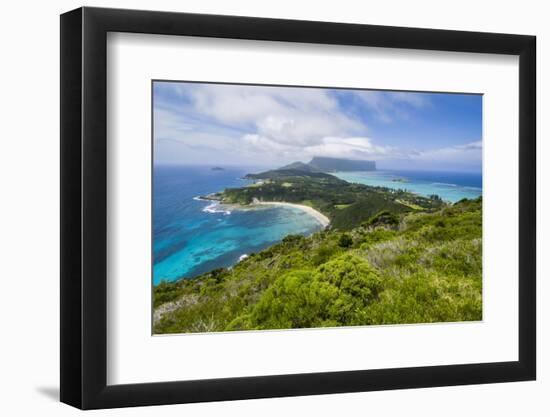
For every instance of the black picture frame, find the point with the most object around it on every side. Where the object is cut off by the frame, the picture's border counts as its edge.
(84, 207)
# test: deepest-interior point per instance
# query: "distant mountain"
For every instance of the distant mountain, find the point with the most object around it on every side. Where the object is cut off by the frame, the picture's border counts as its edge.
(301, 166)
(316, 168)
(326, 164)
(286, 173)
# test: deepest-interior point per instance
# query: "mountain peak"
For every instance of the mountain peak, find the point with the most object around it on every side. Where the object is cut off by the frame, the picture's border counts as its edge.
(300, 166)
(318, 167)
(326, 164)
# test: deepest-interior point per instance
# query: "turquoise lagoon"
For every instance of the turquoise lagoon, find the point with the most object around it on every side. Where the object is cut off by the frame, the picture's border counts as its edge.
(192, 236)
(450, 186)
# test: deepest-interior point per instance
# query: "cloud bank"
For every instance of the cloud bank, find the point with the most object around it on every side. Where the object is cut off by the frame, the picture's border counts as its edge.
(247, 125)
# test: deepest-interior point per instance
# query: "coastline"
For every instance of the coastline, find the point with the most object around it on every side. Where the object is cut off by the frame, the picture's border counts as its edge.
(227, 207)
(320, 217)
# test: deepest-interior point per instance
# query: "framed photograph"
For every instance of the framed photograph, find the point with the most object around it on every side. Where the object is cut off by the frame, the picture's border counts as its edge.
(257, 208)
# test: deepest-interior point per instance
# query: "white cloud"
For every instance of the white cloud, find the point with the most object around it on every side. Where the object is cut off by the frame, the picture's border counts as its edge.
(168, 124)
(417, 100)
(283, 121)
(285, 115)
(467, 153)
(389, 106)
(342, 147)
(235, 123)
(354, 148)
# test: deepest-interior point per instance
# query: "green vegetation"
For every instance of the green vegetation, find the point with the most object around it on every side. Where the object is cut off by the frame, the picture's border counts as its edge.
(381, 263)
(347, 205)
(409, 204)
(345, 240)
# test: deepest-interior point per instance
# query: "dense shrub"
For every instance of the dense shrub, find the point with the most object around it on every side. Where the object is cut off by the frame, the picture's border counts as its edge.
(331, 295)
(323, 254)
(345, 240)
(427, 297)
(383, 218)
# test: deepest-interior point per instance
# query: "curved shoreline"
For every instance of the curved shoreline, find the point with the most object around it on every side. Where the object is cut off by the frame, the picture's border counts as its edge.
(317, 215)
(320, 217)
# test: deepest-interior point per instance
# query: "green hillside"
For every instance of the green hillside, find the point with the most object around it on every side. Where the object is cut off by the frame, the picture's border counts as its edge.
(402, 264)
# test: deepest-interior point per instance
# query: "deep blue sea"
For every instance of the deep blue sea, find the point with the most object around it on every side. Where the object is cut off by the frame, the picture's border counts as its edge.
(192, 236)
(450, 186)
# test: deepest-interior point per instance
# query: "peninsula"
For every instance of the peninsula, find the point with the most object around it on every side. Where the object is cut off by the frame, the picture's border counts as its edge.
(343, 204)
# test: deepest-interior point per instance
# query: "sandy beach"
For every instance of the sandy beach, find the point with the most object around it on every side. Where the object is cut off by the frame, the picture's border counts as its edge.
(320, 217)
(218, 207)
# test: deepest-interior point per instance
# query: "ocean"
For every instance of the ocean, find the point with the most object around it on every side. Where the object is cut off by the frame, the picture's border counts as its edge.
(192, 236)
(450, 186)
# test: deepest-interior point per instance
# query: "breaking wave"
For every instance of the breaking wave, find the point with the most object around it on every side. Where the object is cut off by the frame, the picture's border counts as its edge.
(215, 208)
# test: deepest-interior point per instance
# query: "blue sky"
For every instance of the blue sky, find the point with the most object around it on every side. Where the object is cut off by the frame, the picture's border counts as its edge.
(224, 124)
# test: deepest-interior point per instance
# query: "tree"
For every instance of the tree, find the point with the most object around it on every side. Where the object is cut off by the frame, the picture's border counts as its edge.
(345, 240)
(358, 285)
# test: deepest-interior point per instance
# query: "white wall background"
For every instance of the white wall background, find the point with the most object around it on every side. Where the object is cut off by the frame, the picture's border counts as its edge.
(29, 237)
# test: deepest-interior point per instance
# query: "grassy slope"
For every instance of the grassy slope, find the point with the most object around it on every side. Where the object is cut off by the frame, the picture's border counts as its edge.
(395, 268)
